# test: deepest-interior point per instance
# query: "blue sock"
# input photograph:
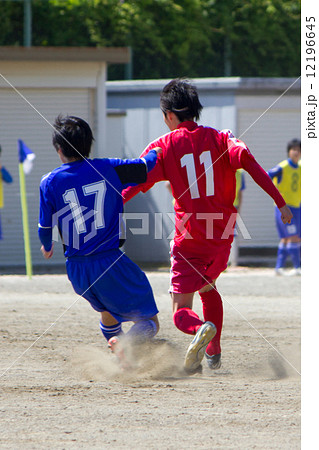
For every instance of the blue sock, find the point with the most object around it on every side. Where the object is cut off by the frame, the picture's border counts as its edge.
(110, 331)
(142, 330)
(281, 255)
(294, 252)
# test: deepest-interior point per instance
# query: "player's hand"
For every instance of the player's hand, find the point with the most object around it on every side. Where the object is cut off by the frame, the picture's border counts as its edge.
(47, 255)
(286, 214)
(158, 150)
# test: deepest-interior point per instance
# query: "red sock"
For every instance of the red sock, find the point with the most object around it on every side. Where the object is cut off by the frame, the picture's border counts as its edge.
(186, 320)
(213, 312)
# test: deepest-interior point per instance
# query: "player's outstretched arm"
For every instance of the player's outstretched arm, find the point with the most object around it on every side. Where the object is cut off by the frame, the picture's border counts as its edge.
(151, 157)
(134, 171)
(286, 214)
(261, 177)
(154, 171)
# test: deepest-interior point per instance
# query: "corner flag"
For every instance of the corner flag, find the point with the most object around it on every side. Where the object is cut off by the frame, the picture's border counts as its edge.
(26, 157)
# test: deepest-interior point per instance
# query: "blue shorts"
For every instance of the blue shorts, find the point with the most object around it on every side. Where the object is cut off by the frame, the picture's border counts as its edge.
(292, 229)
(111, 282)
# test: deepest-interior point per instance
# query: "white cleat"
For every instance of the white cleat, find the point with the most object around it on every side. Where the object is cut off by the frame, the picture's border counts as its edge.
(196, 350)
(280, 271)
(295, 272)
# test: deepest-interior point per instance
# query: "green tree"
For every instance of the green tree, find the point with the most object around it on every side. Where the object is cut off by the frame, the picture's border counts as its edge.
(11, 29)
(61, 23)
(169, 38)
(267, 38)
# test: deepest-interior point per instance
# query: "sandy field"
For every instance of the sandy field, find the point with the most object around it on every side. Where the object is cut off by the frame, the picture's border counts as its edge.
(62, 389)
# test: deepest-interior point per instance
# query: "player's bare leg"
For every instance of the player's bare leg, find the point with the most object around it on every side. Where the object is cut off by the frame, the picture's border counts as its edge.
(208, 287)
(107, 319)
(109, 326)
(181, 301)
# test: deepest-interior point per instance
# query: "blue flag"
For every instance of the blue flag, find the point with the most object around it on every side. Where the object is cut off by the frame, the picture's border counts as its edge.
(26, 156)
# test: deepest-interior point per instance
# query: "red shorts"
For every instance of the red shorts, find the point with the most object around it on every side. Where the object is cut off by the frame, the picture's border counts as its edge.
(190, 273)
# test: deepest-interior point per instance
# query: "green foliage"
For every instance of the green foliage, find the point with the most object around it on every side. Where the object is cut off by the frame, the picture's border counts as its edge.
(11, 30)
(169, 38)
(267, 38)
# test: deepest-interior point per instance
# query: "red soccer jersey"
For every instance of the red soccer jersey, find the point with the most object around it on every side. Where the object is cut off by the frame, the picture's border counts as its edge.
(200, 163)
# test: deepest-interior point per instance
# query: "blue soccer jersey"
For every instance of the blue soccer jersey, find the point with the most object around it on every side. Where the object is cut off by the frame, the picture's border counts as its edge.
(83, 198)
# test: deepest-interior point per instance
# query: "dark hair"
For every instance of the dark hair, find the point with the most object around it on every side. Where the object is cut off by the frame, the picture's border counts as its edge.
(293, 143)
(73, 135)
(181, 97)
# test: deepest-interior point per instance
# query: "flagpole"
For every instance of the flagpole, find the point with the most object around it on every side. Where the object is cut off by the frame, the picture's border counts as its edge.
(25, 222)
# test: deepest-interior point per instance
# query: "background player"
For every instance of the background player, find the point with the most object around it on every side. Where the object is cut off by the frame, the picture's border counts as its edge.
(240, 187)
(7, 178)
(200, 163)
(83, 197)
(287, 177)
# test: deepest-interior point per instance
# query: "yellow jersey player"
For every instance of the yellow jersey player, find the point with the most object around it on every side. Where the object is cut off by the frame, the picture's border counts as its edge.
(287, 178)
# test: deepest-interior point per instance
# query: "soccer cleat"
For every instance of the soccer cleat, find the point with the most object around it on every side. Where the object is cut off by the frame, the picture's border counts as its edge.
(214, 361)
(295, 272)
(116, 348)
(196, 350)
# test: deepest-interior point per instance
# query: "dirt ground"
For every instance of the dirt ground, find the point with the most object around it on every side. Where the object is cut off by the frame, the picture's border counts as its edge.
(61, 389)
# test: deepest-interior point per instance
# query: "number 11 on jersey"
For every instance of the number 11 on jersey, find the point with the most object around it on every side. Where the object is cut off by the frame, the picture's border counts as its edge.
(188, 162)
